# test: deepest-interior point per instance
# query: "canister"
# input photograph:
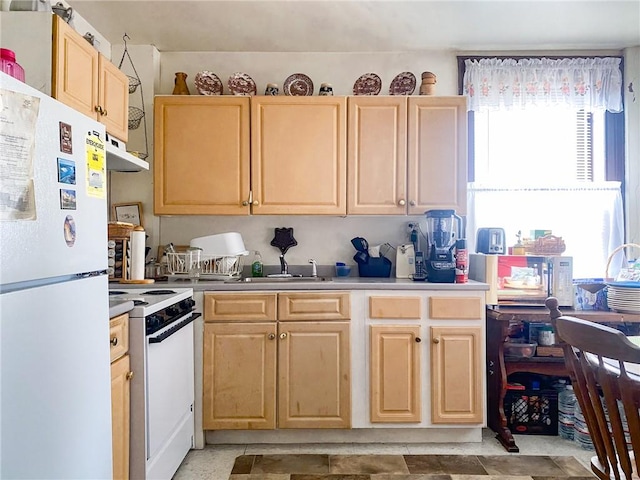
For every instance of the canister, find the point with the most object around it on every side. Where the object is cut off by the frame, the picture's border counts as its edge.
(546, 336)
(9, 65)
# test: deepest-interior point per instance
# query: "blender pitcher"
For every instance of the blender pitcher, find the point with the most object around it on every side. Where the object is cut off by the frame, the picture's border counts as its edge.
(443, 230)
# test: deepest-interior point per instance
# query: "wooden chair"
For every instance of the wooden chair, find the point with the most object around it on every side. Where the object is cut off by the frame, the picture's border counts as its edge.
(595, 356)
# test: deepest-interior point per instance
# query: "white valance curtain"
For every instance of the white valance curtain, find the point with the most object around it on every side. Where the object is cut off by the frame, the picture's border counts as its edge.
(581, 83)
(588, 216)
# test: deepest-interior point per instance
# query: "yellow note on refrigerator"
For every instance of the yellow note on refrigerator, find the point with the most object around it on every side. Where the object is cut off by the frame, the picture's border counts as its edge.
(96, 167)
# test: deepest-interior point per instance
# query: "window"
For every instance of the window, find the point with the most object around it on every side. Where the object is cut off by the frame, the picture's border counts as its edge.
(537, 155)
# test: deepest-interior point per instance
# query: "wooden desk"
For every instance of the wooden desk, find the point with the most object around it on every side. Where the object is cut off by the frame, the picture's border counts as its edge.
(498, 321)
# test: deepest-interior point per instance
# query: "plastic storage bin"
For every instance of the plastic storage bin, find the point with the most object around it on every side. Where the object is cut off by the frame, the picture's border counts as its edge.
(533, 412)
(519, 349)
(375, 267)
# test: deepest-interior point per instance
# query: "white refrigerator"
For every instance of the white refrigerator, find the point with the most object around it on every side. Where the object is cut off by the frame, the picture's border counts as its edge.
(55, 382)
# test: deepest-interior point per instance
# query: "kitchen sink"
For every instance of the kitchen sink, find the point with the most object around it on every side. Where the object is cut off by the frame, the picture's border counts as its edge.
(292, 279)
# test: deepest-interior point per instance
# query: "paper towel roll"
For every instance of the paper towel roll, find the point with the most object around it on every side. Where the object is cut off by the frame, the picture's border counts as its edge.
(138, 240)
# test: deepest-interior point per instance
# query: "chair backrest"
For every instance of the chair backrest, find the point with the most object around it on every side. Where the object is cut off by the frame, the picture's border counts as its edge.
(602, 362)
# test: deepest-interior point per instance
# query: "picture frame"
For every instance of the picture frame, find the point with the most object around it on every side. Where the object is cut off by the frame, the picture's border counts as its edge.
(128, 212)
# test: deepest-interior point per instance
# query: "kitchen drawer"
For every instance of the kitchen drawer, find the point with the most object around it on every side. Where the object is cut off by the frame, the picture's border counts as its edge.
(456, 308)
(119, 336)
(314, 306)
(239, 307)
(395, 307)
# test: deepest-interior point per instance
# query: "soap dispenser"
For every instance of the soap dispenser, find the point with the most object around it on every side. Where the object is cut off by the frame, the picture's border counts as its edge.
(256, 266)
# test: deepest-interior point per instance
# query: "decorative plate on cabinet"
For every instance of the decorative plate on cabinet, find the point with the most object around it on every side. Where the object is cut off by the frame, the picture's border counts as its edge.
(208, 83)
(298, 84)
(242, 84)
(403, 84)
(367, 84)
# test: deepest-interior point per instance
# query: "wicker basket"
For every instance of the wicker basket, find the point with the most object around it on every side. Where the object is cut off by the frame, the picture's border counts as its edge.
(119, 229)
(621, 247)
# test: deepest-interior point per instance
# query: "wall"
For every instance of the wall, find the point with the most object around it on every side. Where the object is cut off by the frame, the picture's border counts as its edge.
(632, 128)
(327, 239)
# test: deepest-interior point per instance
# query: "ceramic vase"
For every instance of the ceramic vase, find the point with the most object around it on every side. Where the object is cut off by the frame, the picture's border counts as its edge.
(181, 84)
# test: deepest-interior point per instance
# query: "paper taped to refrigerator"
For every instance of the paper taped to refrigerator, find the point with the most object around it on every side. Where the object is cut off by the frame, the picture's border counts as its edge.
(18, 117)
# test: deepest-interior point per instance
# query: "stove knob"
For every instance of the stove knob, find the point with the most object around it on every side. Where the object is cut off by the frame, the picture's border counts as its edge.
(187, 304)
(172, 311)
(153, 321)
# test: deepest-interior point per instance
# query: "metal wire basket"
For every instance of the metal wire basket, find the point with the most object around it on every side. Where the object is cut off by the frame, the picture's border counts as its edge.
(135, 115)
(212, 266)
(134, 82)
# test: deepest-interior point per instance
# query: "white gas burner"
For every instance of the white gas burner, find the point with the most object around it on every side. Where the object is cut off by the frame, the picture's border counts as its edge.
(150, 300)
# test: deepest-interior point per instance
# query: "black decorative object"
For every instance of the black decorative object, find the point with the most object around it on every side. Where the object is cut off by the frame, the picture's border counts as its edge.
(283, 239)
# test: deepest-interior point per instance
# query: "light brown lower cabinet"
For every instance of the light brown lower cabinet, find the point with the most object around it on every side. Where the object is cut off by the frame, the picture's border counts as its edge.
(120, 416)
(120, 394)
(395, 373)
(298, 369)
(456, 375)
(314, 375)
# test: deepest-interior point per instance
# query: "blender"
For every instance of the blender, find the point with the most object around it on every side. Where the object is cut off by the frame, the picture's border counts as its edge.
(443, 229)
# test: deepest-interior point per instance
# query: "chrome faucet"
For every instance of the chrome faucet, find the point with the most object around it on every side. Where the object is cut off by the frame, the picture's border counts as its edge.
(314, 267)
(284, 266)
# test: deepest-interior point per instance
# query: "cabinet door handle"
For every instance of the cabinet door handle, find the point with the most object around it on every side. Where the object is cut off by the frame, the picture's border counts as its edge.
(245, 204)
(412, 203)
(129, 375)
(99, 109)
(436, 340)
(256, 203)
(114, 341)
(283, 335)
(104, 112)
(401, 202)
(272, 336)
(418, 339)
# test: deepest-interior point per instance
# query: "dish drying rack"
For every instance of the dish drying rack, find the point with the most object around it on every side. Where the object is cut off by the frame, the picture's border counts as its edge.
(182, 264)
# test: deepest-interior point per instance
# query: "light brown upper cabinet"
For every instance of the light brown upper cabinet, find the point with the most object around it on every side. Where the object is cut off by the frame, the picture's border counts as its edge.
(86, 81)
(406, 155)
(298, 155)
(201, 155)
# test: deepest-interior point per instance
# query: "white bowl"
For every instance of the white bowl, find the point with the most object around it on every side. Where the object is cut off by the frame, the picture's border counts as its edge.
(222, 244)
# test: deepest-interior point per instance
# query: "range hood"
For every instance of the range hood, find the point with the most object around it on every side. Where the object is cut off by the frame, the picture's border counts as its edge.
(119, 160)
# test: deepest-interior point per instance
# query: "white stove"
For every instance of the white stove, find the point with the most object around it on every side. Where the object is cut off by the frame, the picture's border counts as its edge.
(161, 345)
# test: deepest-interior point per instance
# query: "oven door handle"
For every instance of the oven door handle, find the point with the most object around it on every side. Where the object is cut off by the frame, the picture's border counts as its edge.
(166, 334)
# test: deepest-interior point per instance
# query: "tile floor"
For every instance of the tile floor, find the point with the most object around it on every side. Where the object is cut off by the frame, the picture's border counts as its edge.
(215, 462)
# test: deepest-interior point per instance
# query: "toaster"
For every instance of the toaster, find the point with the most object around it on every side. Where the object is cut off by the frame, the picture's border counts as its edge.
(490, 240)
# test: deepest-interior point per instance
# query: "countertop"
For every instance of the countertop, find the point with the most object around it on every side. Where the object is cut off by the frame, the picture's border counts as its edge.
(118, 307)
(334, 283)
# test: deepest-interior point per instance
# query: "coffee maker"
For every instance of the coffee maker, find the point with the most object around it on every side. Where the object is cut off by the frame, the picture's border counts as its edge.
(444, 228)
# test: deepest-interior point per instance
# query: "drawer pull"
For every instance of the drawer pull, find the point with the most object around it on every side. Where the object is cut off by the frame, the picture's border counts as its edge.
(283, 336)
(436, 340)
(114, 341)
(401, 202)
(418, 339)
(129, 375)
(272, 336)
